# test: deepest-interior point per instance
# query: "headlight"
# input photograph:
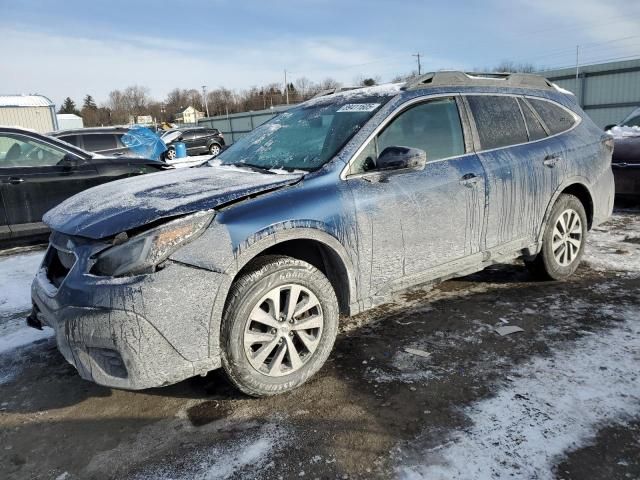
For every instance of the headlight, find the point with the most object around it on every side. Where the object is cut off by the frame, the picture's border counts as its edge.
(144, 252)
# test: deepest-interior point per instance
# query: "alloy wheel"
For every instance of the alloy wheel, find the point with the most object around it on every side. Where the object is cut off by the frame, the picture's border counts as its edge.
(283, 330)
(567, 237)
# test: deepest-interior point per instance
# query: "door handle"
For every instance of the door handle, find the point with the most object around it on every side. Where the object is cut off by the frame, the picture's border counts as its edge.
(551, 160)
(469, 180)
(118, 154)
(15, 180)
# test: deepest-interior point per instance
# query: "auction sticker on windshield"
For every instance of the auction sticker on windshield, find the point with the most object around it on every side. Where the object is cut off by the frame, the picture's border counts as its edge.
(359, 107)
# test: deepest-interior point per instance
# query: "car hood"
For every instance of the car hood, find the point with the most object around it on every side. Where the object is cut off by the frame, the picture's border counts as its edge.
(115, 207)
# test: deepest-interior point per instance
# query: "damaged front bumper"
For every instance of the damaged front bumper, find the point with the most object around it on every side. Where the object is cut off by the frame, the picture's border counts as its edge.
(127, 332)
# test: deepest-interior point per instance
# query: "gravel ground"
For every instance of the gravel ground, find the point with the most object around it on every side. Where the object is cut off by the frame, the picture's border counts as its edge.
(559, 400)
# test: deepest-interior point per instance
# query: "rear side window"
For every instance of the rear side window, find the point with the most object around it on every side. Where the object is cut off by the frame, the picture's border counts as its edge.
(536, 131)
(498, 120)
(99, 141)
(556, 118)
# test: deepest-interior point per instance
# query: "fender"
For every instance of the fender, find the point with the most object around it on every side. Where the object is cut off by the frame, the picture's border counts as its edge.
(258, 243)
(579, 180)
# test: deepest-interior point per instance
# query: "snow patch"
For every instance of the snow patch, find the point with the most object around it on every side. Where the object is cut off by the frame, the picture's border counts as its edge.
(226, 460)
(624, 131)
(16, 275)
(553, 406)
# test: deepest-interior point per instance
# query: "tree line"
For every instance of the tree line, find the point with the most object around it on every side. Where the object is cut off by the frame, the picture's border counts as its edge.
(135, 100)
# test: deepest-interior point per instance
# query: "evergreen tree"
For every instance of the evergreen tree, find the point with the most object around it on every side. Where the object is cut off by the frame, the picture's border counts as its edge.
(68, 106)
(89, 102)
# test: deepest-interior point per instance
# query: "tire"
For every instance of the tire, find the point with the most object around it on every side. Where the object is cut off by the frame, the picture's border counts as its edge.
(561, 263)
(264, 359)
(170, 154)
(214, 149)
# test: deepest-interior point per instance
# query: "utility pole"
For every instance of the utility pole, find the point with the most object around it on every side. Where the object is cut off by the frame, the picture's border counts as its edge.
(286, 86)
(577, 64)
(204, 98)
(417, 55)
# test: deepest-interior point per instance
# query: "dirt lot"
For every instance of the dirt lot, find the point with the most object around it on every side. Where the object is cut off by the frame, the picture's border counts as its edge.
(559, 400)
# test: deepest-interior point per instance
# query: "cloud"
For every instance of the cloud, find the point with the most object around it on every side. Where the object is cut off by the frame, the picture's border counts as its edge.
(59, 65)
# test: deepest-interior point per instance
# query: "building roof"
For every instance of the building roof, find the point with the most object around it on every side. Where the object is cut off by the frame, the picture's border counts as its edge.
(67, 116)
(25, 101)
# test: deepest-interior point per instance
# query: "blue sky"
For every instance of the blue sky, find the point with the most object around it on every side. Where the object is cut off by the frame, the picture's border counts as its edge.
(76, 47)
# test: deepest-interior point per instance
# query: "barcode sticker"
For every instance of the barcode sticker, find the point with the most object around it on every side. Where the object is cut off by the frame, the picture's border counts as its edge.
(359, 107)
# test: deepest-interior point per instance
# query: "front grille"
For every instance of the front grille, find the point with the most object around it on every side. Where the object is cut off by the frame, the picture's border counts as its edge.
(58, 264)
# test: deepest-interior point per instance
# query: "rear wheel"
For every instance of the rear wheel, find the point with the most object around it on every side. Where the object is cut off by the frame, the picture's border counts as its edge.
(279, 325)
(563, 242)
(170, 154)
(214, 149)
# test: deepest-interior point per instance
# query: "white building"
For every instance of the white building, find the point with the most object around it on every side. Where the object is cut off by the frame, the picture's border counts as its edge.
(35, 112)
(189, 116)
(67, 121)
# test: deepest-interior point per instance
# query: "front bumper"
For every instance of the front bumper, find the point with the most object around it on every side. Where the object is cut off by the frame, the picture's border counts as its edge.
(129, 332)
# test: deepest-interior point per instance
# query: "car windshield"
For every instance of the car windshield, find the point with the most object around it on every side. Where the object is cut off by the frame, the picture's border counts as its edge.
(305, 137)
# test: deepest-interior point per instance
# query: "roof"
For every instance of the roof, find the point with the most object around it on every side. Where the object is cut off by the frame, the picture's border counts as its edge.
(92, 130)
(67, 116)
(25, 101)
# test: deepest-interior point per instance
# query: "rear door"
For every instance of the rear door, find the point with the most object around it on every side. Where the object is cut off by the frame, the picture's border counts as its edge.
(519, 162)
(35, 176)
(190, 141)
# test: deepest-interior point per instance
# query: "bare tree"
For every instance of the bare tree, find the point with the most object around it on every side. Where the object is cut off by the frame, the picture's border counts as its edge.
(509, 66)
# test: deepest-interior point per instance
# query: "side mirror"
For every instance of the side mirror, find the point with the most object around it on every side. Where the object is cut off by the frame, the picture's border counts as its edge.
(609, 127)
(399, 158)
(69, 161)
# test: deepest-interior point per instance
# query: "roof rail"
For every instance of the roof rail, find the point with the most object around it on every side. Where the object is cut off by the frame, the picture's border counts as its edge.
(331, 91)
(454, 78)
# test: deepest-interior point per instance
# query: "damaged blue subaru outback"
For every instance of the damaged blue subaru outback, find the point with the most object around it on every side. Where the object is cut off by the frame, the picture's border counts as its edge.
(247, 262)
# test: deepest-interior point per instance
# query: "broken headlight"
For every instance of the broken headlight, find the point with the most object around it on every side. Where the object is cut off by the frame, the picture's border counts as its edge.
(142, 253)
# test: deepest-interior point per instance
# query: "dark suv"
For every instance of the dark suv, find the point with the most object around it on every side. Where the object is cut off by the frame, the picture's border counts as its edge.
(198, 140)
(37, 172)
(331, 207)
(102, 140)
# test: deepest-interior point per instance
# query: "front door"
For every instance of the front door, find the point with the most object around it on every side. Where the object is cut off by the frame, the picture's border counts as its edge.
(418, 225)
(36, 176)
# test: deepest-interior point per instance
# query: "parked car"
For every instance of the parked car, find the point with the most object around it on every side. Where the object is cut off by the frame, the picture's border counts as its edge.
(102, 140)
(329, 208)
(198, 140)
(626, 155)
(37, 172)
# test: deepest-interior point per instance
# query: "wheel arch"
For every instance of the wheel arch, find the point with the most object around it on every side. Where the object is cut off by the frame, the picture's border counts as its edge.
(312, 245)
(577, 186)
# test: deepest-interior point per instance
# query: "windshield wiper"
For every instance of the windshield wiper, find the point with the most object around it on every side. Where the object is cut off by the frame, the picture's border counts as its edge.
(248, 166)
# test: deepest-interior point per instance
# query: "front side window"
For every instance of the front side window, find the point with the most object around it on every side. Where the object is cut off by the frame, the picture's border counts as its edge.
(97, 142)
(305, 137)
(555, 117)
(432, 126)
(498, 121)
(21, 151)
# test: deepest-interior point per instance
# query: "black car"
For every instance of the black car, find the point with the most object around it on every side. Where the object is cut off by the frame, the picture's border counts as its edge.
(626, 155)
(37, 172)
(198, 140)
(102, 140)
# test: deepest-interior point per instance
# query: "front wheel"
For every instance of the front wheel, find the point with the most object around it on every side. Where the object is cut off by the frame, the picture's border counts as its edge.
(279, 325)
(170, 154)
(563, 242)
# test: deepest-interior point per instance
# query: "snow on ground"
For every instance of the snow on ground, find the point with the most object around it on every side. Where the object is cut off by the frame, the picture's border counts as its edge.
(250, 453)
(615, 246)
(554, 405)
(16, 274)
